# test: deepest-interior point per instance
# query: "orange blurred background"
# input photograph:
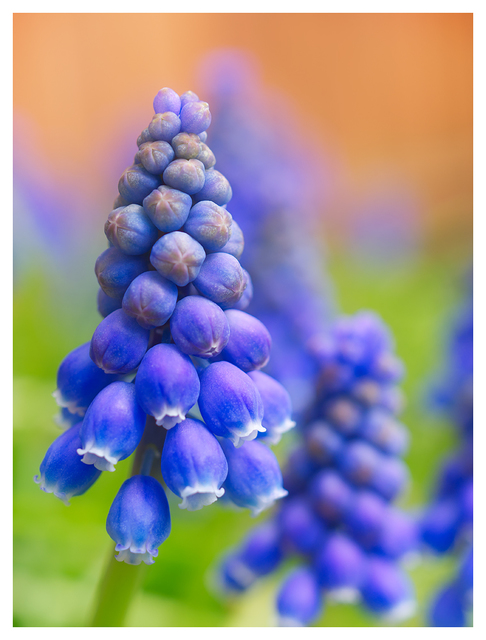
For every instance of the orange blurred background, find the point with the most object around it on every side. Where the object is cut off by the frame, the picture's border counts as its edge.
(388, 95)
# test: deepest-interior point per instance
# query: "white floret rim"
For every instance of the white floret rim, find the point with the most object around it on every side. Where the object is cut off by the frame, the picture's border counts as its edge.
(70, 405)
(62, 495)
(265, 502)
(99, 457)
(344, 595)
(240, 435)
(169, 417)
(133, 554)
(274, 434)
(401, 611)
(199, 496)
(287, 621)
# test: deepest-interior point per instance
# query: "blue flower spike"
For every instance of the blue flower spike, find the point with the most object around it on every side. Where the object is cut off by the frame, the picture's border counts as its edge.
(193, 464)
(171, 270)
(62, 472)
(112, 426)
(139, 520)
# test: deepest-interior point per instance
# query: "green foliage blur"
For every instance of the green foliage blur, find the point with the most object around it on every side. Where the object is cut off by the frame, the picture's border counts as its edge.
(60, 553)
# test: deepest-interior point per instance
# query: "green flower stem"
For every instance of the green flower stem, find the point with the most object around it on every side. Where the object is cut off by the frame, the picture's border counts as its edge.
(120, 581)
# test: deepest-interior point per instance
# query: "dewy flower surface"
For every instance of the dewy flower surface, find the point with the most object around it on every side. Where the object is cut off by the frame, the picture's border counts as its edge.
(173, 339)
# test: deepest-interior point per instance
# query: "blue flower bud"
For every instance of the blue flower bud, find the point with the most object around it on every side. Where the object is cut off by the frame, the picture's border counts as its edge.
(142, 138)
(155, 156)
(178, 257)
(344, 415)
(330, 495)
(323, 443)
(340, 566)
(390, 477)
(299, 469)
(261, 552)
(203, 136)
(62, 472)
(195, 117)
(185, 175)
(167, 100)
(188, 96)
(221, 279)
(164, 126)
(131, 230)
(277, 406)
(385, 432)
(365, 517)
(199, 327)
(115, 271)
(167, 384)
(193, 465)
(301, 529)
(230, 403)
(186, 146)
(254, 478)
(358, 462)
(448, 608)
(167, 208)
(150, 299)
(112, 427)
(215, 187)
(299, 600)
(236, 242)
(139, 520)
(105, 304)
(209, 224)
(118, 343)
(206, 156)
(136, 183)
(247, 296)
(65, 419)
(387, 590)
(79, 381)
(249, 343)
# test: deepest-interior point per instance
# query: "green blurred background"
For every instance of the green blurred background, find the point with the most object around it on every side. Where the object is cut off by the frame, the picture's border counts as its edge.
(388, 97)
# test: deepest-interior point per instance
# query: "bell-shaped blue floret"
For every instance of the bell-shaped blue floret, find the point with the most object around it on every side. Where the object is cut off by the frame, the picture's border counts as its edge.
(65, 419)
(115, 271)
(221, 279)
(136, 183)
(340, 567)
(199, 327)
(448, 608)
(299, 600)
(277, 406)
(139, 520)
(150, 299)
(366, 517)
(440, 524)
(399, 534)
(79, 381)
(112, 427)
(387, 590)
(254, 478)
(131, 230)
(209, 224)
(301, 529)
(193, 464)
(385, 432)
(62, 472)
(230, 403)
(249, 343)
(390, 477)
(167, 384)
(167, 208)
(358, 462)
(118, 343)
(178, 257)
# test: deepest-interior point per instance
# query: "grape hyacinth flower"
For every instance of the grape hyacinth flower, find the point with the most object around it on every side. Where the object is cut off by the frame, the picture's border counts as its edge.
(170, 345)
(446, 524)
(338, 518)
